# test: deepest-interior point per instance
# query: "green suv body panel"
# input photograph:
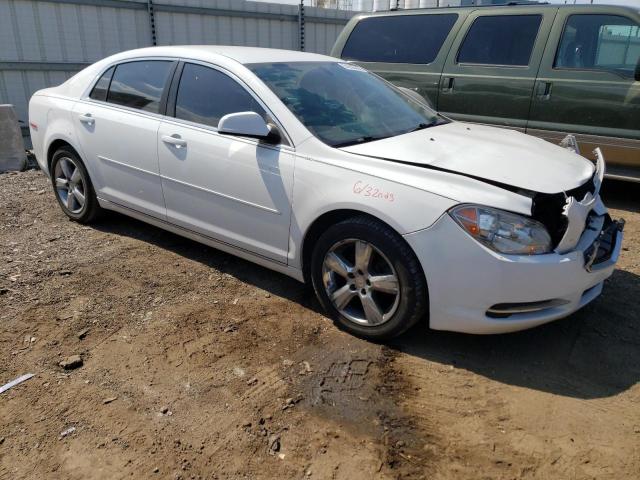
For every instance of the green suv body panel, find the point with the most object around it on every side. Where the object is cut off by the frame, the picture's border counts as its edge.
(562, 82)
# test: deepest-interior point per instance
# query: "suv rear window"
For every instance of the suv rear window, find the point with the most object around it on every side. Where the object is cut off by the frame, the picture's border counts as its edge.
(399, 38)
(139, 84)
(500, 40)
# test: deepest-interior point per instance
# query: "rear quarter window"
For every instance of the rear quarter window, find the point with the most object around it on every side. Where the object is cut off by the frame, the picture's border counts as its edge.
(101, 87)
(399, 38)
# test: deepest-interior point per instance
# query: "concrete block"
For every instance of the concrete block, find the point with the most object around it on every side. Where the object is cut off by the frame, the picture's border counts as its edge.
(12, 152)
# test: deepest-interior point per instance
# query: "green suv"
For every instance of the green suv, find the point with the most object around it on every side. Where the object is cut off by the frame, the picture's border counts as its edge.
(546, 70)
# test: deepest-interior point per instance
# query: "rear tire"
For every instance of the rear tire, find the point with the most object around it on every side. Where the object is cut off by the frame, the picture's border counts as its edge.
(72, 186)
(368, 279)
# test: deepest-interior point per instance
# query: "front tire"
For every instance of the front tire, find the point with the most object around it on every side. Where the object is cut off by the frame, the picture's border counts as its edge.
(368, 278)
(72, 186)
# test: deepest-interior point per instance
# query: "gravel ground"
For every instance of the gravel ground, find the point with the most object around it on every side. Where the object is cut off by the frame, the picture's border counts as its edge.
(196, 364)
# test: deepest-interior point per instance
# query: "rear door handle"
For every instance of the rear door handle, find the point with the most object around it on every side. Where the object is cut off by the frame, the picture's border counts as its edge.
(87, 118)
(543, 90)
(448, 83)
(174, 140)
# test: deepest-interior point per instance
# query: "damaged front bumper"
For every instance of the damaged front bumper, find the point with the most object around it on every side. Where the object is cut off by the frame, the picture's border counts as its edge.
(476, 290)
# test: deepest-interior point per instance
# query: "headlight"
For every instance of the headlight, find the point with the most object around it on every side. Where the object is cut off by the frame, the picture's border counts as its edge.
(502, 231)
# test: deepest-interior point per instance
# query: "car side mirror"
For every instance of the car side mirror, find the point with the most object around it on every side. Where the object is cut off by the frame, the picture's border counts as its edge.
(637, 72)
(248, 124)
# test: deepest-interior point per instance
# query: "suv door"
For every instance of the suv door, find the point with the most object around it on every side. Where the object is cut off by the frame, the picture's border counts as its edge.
(406, 49)
(491, 69)
(586, 85)
(117, 127)
(233, 189)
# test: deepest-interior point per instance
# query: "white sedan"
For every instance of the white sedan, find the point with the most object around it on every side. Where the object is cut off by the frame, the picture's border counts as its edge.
(323, 171)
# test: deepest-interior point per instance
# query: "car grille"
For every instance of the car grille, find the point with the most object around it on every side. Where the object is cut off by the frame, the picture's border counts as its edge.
(547, 208)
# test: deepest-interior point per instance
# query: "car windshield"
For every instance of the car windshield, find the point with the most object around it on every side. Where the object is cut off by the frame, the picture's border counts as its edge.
(343, 104)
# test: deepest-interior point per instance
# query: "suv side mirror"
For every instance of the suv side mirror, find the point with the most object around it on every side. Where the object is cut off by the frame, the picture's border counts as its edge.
(414, 95)
(248, 124)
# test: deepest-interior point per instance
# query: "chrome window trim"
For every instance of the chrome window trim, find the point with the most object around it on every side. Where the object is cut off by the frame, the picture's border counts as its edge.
(115, 106)
(85, 98)
(87, 91)
(211, 130)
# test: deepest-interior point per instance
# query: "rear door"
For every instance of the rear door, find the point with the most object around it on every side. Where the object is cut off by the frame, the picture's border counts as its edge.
(586, 84)
(117, 127)
(491, 69)
(407, 50)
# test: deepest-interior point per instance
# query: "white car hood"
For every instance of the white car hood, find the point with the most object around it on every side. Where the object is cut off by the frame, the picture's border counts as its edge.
(494, 154)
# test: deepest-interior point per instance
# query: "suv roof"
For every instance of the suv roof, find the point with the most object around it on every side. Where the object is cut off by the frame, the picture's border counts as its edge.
(499, 8)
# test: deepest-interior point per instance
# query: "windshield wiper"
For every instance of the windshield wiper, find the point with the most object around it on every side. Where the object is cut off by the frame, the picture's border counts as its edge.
(422, 126)
(357, 141)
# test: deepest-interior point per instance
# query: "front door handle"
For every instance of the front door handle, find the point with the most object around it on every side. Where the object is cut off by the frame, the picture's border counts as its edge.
(87, 119)
(174, 140)
(543, 90)
(448, 83)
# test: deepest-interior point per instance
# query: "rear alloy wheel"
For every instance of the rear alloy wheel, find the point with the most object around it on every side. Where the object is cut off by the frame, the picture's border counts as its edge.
(70, 186)
(368, 278)
(73, 187)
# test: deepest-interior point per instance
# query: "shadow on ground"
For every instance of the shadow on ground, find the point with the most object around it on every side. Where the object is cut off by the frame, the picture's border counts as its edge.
(618, 194)
(248, 272)
(592, 354)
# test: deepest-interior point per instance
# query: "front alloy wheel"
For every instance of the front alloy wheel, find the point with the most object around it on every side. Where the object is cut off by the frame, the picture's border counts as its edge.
(368, 278)
(361, 282)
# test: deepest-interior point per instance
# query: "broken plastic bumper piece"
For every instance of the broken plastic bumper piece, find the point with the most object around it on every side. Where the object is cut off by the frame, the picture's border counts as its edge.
(604, 250)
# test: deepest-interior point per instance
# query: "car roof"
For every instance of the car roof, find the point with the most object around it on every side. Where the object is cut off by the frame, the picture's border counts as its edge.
(243, 55)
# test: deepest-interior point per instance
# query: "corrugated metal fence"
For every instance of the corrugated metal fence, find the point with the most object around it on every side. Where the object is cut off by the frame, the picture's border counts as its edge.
(42, 43)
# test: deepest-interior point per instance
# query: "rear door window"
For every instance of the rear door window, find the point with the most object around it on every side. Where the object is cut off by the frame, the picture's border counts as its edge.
(500, 40)
(205, 95)
(399, 38)
(599, 42)
(139, 84)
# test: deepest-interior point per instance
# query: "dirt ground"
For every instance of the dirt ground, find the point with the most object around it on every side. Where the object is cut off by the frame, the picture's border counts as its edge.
(201, 365)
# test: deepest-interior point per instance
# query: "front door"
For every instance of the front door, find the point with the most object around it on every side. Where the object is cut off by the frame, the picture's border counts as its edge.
(236, 190)
(586, 85)
(491, 69)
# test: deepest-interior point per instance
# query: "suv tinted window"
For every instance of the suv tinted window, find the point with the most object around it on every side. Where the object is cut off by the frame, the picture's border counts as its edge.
(101, 87)
(600, 42)
(500, 40)
(139, 84)
(399, 38)
(205, 95)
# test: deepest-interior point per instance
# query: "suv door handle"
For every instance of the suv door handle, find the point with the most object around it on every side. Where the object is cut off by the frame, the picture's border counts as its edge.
(543, 90)
(448, 83)
(174, 140)
(87, 118)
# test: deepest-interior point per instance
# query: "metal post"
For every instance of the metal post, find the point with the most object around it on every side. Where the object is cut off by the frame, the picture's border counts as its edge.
(301, 24)
(152, 22)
